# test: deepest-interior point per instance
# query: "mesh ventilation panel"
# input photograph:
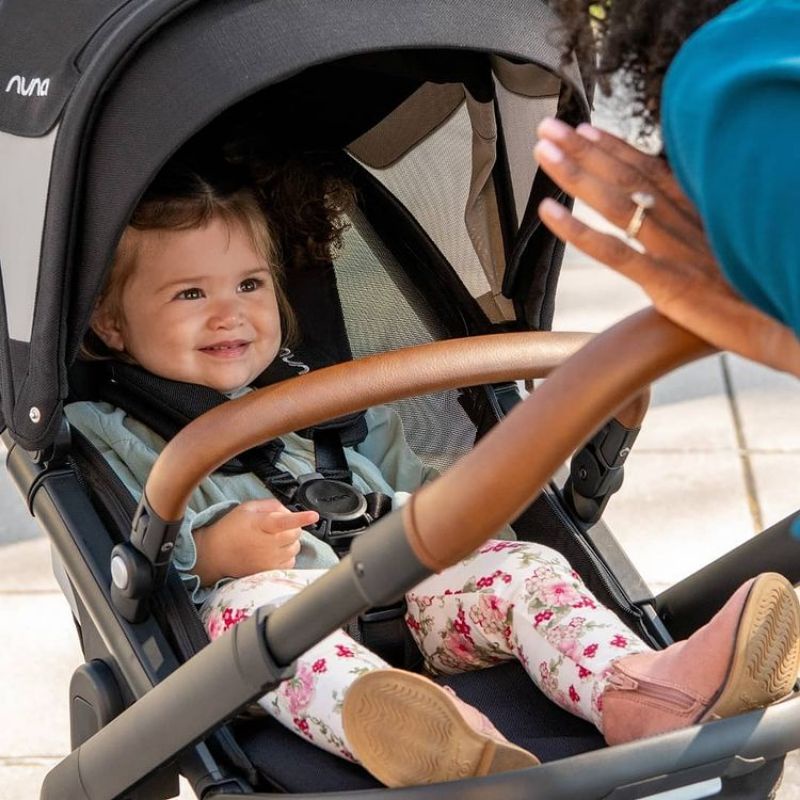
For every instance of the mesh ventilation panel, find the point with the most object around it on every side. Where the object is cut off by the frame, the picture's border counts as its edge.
(383, 311)
(433, 182)
(521, 117)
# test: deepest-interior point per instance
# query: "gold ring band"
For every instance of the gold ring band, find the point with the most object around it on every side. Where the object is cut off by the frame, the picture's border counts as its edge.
(643, 202)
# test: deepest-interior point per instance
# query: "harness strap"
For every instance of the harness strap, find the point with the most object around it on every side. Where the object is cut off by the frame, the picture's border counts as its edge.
(167, 406)
(329, 456)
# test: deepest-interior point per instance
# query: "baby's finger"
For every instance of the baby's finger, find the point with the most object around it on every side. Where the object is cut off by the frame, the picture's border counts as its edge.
(287, 563)
(268, 505)
(288, 520)
(285, 539)
(603, 247)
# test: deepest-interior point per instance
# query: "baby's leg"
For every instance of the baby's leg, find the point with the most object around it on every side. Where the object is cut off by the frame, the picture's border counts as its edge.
(521, 600)
(309, 703)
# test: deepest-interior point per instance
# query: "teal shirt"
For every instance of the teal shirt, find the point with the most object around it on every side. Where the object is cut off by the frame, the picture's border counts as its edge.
(731, 124)
(383, 462)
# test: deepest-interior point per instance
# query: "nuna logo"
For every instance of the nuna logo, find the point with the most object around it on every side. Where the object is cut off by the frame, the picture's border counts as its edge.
(28, 88)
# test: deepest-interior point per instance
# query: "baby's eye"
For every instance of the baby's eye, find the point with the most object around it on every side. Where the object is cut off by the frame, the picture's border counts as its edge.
(250, 284)
(190, 294)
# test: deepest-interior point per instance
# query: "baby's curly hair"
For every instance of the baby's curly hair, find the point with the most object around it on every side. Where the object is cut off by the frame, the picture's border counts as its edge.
(306, 197)
(635, 40)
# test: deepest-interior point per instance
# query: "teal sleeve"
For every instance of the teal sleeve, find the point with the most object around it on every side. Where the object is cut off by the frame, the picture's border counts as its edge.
(731, 126)
(131, 457)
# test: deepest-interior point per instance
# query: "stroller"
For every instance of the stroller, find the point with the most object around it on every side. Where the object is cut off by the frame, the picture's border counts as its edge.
(431, 109)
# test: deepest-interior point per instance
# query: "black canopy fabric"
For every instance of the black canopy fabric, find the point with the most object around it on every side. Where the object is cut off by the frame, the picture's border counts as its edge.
(131, 82)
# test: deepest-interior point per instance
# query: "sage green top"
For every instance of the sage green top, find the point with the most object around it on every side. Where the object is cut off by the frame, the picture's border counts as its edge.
(383, 462)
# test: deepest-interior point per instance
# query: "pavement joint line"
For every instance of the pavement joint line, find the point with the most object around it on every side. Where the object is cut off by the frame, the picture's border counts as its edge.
(744, 453)
(753, 451)
(29, 761)
(56, 592)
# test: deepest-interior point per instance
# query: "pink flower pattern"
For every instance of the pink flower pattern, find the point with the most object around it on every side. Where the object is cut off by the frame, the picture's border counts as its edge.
(507, 600)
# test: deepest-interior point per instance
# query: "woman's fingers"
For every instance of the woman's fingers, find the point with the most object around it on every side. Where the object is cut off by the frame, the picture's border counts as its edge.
(603, 247)
(616, 206)
(606, 182)
(656, 169)
(592, 157)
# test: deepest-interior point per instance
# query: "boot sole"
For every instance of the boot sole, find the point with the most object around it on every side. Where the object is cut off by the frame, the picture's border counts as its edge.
(766, 656)
(406, 730)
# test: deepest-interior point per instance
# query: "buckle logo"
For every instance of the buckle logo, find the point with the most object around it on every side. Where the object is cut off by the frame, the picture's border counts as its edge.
(26, 88)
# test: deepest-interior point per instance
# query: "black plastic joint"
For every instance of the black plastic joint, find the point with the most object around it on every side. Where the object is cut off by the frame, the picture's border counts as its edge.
(596, 471)
(256, 664)
(154, 538)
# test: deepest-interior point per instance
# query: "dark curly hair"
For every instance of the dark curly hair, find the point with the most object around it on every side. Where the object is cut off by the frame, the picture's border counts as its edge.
(634, 40)
(306, 198)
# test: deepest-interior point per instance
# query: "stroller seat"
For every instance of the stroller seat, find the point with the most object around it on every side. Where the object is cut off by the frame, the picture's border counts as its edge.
(519, 710)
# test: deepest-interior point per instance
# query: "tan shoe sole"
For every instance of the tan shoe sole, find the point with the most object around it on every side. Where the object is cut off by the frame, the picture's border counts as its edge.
(406, 730)
(767, 653)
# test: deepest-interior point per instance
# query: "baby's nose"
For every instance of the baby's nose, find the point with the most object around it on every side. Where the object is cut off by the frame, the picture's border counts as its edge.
(226, 313)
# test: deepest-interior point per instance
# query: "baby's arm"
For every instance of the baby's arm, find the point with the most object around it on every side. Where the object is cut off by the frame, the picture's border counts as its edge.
(254, 536)
(131, 449)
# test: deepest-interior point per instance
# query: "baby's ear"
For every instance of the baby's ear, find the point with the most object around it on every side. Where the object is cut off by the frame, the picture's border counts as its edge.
(108, 329)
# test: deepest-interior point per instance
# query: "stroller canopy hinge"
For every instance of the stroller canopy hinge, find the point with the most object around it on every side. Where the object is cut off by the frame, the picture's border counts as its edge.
(139, 566)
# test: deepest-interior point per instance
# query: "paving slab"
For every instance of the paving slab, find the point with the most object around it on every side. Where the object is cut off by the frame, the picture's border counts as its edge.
(21, 779)
(769, 406)
(777, 482)
(689, 411)
(16, 524)
(40, 651)
(26, 567)
(678, 511)
(591, 298)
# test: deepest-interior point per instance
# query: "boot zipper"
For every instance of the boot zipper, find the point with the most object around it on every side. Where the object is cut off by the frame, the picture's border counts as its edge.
(668, 695)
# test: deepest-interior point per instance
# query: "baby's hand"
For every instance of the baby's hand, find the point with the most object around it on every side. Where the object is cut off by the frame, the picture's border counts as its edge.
(255, 536)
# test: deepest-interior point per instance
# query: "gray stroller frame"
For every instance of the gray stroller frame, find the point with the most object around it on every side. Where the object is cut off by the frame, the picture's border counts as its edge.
(442, 100)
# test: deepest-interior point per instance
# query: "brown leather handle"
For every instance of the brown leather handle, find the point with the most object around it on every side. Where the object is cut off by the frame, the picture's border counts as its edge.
(306, 400)
(632, 413)
(447, 519)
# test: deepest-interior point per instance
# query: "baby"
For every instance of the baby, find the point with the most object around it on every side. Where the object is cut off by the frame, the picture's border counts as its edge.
(195, 295)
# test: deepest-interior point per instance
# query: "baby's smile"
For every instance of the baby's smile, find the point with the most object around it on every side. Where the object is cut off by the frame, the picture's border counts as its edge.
(228, 349)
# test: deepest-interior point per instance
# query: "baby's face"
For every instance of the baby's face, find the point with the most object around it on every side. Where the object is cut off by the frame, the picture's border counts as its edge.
(200, 307)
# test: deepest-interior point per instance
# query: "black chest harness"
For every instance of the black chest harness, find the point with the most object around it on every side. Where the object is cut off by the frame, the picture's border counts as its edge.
(167, 406)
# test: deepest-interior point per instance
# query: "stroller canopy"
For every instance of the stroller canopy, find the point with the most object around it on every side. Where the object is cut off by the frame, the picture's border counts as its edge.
(437, 101)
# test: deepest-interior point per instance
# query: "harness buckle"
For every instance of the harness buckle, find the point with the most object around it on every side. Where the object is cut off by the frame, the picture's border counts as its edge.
(343, 509)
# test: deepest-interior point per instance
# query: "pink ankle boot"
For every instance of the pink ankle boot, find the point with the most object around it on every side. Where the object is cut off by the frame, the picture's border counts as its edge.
(746, 657)
(407, 730)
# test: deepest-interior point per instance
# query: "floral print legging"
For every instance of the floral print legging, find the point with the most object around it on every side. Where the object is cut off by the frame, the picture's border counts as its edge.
(507, 600)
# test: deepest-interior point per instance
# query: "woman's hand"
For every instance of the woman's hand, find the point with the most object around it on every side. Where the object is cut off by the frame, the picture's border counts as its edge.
(674, 263)
(255, 536)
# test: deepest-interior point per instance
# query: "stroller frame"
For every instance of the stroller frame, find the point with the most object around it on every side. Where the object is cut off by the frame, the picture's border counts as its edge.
(362, 579)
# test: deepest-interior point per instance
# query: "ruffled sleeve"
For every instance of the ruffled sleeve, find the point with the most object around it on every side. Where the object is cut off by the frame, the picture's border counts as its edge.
(131, 449)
